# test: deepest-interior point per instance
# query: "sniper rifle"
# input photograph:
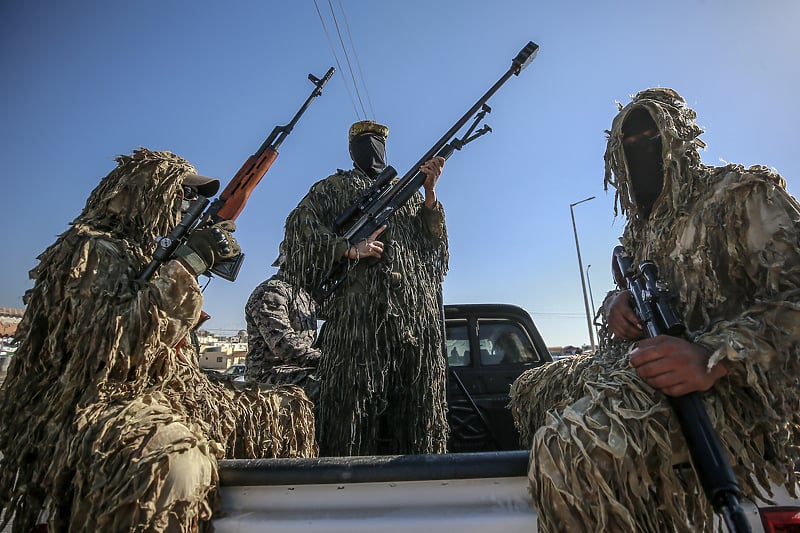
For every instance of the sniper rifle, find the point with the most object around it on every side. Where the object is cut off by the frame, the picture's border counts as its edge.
(233, 198)
(378, 202)
(651, 299)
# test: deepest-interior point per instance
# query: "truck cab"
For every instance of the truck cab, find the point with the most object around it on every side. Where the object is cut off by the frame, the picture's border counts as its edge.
(487, 346)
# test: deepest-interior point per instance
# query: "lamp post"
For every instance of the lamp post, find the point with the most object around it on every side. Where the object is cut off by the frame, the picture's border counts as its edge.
(591, 294)
(580, 267)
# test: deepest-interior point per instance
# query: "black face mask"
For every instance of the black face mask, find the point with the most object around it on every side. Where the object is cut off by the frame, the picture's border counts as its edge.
(368, 152)
(645, 166)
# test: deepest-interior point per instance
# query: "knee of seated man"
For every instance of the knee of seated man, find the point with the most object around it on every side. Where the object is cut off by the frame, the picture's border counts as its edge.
(189, 464)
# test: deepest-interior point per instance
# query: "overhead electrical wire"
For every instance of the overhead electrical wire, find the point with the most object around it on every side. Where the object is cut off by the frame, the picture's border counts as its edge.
(355, 54)
(353, 81)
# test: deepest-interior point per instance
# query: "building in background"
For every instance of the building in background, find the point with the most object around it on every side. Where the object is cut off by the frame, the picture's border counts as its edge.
(9, 319)
(218, 353)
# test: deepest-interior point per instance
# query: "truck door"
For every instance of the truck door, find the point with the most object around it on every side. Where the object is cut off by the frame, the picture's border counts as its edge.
(485, 356)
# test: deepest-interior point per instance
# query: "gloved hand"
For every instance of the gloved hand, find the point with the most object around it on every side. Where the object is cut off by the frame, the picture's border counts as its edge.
(207, 246)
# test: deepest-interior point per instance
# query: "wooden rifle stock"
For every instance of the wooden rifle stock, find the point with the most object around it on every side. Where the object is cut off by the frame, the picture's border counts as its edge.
(229, 204)
(233, 198)
(238, 191)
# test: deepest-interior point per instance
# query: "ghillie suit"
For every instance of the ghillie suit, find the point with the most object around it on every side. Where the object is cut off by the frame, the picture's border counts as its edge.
(281, 330)
(106, 425)
(604, 442)
(382, 373)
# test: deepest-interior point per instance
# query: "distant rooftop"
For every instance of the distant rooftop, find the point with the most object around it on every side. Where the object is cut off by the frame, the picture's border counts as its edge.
(9, 318)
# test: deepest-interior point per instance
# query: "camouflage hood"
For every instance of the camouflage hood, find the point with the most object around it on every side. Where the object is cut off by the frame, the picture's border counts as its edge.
(139, 199)
(680, 144)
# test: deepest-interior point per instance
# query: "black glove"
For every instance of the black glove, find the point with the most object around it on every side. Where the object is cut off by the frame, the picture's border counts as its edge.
(207, 246)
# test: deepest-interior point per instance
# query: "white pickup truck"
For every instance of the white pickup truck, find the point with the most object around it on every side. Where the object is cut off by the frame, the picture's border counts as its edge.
(482, 488)
(459, 493)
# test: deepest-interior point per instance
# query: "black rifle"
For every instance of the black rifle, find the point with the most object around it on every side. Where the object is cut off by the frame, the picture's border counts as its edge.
(386, 195)
(233, 198)
(651, 298)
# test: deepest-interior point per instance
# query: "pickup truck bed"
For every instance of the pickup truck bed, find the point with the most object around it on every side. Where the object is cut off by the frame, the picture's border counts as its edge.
(463, 492)
(452, 493)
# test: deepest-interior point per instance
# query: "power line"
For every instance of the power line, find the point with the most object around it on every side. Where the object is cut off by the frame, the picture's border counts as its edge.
(335, 57)
(347, 57)
(355, 54)
(343, 48)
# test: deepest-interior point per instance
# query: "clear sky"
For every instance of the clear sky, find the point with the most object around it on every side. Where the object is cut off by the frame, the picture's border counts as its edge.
(87, 80)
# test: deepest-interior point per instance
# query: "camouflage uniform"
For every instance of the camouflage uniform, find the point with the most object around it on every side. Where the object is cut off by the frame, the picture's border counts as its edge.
(382, 376)
(108, 423)
(603, 441)
(281, 329)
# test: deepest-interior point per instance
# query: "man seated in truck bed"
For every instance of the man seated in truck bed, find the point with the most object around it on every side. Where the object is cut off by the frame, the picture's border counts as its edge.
(603, 435)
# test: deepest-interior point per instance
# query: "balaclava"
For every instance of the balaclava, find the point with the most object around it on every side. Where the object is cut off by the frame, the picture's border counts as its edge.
(655, 119)
(641, 142)
(367, 144)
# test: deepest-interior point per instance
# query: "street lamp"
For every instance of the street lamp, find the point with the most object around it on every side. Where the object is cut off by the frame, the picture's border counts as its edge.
(591, 294)
(580, 267)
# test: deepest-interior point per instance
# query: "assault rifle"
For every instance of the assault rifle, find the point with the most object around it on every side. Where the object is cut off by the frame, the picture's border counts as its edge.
(231, 201)
(651, 299)
(386, 195)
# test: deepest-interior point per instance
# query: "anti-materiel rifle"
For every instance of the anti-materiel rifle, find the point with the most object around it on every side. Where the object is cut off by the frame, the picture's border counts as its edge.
(233, 198)
(651, 299)
(386, 195)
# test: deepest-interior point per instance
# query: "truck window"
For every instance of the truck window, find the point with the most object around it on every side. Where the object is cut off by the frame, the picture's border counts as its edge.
(457, 342)
(503, 341)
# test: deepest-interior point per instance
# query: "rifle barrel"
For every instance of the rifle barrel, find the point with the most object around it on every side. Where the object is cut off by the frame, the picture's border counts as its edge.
(283, 131)
(523, 58)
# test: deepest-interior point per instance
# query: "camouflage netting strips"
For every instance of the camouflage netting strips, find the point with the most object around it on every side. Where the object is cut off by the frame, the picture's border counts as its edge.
(383, 362)
(105, 424)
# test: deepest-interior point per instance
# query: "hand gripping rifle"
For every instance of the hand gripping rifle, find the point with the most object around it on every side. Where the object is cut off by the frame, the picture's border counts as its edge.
(386, 195)
(651, 299)
(231, 201)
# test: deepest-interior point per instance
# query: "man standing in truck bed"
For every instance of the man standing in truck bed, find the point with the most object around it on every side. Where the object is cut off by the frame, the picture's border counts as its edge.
(604, 437)
(382, 374)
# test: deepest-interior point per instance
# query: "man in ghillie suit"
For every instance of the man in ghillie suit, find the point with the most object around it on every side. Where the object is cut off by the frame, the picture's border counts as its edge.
(281, 330)
(382, 373)
(108, 423)
(603, 436)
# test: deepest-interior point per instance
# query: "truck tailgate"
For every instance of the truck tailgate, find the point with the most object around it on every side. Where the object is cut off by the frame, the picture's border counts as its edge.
(466, 492)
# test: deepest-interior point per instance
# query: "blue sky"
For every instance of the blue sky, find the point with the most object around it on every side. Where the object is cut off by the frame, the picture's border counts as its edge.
(85, 81)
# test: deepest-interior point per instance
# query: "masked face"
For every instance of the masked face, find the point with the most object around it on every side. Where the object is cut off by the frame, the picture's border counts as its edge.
(641, 141)
(368, 152)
